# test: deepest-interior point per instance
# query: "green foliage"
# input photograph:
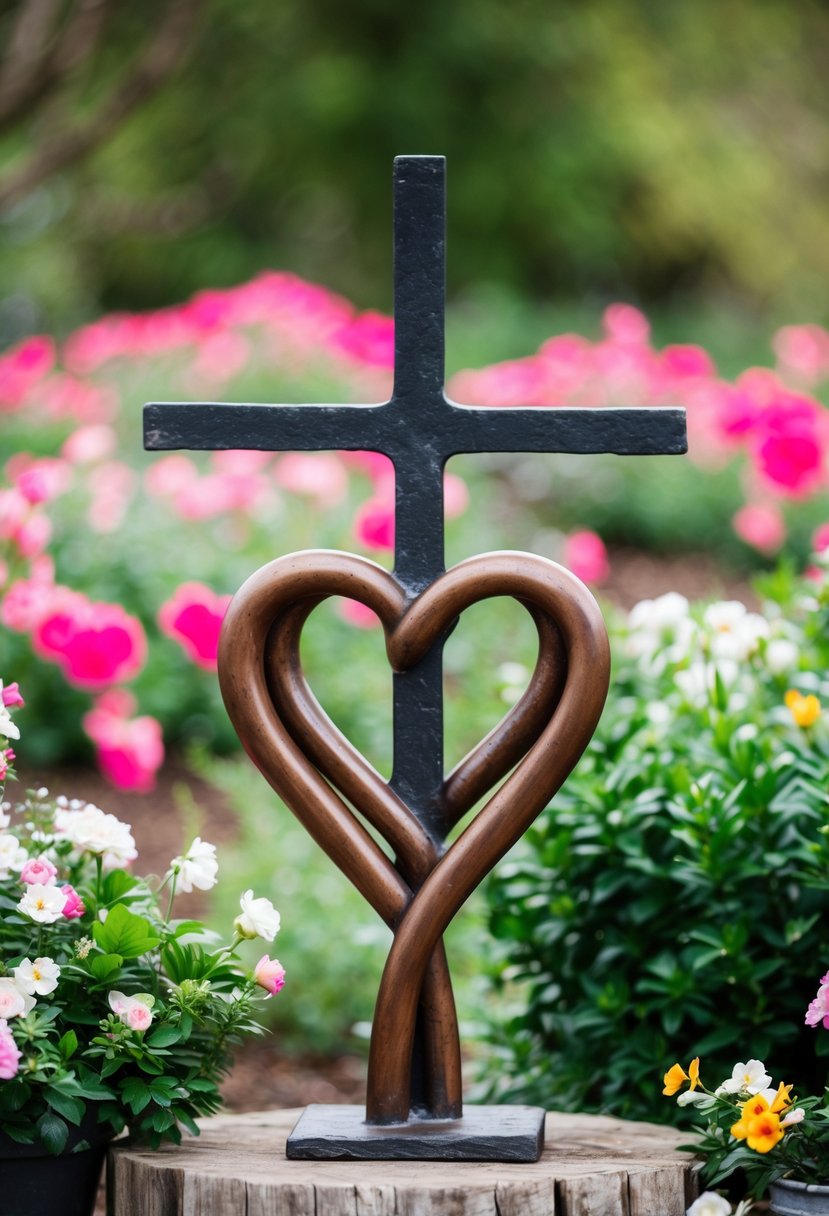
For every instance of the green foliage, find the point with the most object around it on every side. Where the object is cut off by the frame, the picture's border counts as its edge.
(604, 147)
(669, 902)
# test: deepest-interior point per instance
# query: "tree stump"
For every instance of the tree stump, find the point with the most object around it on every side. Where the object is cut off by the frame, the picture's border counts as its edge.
(591, 1166)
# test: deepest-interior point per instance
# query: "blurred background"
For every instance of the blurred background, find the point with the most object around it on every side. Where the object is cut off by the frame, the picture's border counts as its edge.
(195, 202)
(671, 154)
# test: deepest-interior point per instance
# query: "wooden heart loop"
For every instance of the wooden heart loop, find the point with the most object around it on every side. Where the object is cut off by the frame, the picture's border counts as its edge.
(295, 745)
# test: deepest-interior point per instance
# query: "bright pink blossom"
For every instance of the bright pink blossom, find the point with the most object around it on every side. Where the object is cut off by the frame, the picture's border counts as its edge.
(818, 1011)
(22, 367)
(10, 1053)
(789, 445)
(39, 869)
(760, 525)
(11, 696)
(374, 524)
(270, 975)
(95, 644)
(367, 339)
(74, 906)
(626, 324)
(129, 751)
(803, 353)
(193, 618)
(169, 474)
(585, 554)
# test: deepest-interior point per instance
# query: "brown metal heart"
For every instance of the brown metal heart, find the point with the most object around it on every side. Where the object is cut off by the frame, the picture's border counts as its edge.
(281, 725)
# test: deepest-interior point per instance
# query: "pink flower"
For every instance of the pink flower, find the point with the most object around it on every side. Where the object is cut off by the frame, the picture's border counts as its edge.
(39, 869)
(367, 339)
(818, 1011)
(89, 444)
(40, 480)
(166, 476)
(820, 539)
(760, 525)
(95, 644)
(626, 324)
(74, 906)
(321, 476)
(139, 1016)
(374, 524)
(269, 974)
(789, 445)
(359, 614)
(455, 495)
(22, 367)
(130, 751)
(586, 555)
(193, 618)
(134, 1011)
(10, 1053)
(11, 695)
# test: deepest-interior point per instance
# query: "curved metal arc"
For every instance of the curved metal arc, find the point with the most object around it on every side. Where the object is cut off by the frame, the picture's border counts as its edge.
(510, 810)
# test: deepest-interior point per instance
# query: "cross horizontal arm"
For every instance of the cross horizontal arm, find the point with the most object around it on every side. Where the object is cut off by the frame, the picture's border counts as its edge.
(646, 431)
(209, 426)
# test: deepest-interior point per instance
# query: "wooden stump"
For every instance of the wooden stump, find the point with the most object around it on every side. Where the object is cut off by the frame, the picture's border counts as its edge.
(591, 1166)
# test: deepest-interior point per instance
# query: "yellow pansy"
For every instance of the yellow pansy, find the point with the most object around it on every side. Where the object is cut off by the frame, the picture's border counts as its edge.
(673, 1079)
(804, 710)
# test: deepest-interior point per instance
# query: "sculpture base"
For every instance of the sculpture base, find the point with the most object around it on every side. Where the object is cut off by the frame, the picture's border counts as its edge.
(485, 1133)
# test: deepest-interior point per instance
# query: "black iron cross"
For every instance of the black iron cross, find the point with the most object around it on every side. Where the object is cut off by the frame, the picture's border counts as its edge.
(418, 429)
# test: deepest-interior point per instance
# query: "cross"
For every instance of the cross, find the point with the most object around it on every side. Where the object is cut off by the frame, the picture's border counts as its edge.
(419, 429)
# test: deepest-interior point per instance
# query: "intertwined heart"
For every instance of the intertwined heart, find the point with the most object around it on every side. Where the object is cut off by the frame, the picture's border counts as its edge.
(310, 764)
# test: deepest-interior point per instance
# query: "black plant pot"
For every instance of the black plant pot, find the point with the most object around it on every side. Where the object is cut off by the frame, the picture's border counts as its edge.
(33, 1182)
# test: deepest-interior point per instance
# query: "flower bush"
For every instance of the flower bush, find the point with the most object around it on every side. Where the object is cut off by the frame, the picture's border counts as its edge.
(754, 1126)
(112, 1014)
(115, 568)
(670, 896)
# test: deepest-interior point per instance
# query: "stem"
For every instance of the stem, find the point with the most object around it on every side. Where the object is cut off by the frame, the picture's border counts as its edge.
(99, 871)
(169, 913)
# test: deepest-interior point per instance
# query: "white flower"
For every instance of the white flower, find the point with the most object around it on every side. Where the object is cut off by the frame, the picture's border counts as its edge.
(12, 854)
(698, 681)
(794, 1116)
(781, 656)
(665, 612)
(40, 976)
(7, 727)
(44, 904)
(709, 1204)
(734, 631)
(197, 868)
(13, 1000)
(91, 830)
(689, 1097)
(748, 1078)
(259, 918)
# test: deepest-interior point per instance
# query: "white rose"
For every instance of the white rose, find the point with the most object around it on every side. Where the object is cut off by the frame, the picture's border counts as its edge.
(259, 918)
(91, 830)
(13, 1000)
(44, 904)
(7, 727)
(197, 868)
(709, 1204)
(40, 976)
(13, 856)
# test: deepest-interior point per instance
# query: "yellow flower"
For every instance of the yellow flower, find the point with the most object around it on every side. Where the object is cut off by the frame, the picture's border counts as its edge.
(781, 1100)
(693, 1072)
(750, 1110)
(764, 1132)
(673, 1079)
(804, 710)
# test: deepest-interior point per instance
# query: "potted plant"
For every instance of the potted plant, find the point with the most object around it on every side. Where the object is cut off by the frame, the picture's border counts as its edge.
(779, 1141)
(113, 1015)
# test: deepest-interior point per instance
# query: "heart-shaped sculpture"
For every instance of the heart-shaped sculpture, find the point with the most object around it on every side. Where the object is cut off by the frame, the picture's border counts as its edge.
(307, 761)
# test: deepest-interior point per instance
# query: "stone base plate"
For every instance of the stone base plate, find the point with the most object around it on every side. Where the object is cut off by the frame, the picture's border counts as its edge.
(485, 1133)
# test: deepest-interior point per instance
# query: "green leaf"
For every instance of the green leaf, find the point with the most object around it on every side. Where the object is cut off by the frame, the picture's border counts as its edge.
(125, 933)
(136, 1094)
(71, 1108)
(68, 1045)
(103, 966)
(54, 1133)
(117, 883)
(164, 1036)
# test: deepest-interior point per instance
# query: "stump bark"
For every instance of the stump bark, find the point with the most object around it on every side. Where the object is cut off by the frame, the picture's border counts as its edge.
(591, 1166)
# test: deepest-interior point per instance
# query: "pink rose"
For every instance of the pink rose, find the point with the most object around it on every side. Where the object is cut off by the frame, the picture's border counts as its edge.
(760, 525)
(374, 524)
(11, 696)
(270, 975)
(74, 906)
(39, 869)
(10, 1053)
(586, 555)
(129, 751)
(138, 1016)
(193, 618)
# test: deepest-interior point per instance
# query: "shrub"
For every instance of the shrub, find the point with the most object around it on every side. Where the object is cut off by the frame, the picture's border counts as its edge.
(670, 902)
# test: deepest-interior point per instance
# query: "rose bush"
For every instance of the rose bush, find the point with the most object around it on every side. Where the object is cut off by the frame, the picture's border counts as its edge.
(108, 1005)
(116, 568)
